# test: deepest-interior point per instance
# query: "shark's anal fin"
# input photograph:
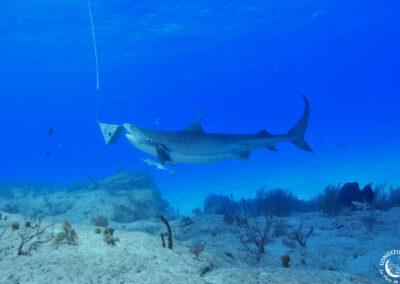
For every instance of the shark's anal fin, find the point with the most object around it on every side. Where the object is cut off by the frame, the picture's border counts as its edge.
(243, 154)
(162, 154)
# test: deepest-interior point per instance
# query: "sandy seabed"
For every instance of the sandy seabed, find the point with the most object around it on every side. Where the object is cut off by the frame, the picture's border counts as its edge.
(342, 249)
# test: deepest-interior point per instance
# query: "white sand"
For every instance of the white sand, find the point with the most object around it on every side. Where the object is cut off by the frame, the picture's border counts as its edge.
(341, 250)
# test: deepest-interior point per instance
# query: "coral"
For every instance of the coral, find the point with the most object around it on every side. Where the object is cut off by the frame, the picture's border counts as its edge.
(196, 249)
(100, 221)
(27, 224)
(252, 230)
(285, 260)
(59, 238)
(68, 234)
(278, 202)
(385, 200)
(15, 225)
(328, 200)
(395, 196)
(169, 233)
(217, 204)
(299, 235)
(351, 192)
(108, 236)
(38, 234)
(97, 231)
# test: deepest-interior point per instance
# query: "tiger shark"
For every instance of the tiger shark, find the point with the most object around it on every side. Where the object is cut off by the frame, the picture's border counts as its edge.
(194, 145)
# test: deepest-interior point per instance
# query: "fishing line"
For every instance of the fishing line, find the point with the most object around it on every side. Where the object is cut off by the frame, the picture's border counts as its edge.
(97, 59)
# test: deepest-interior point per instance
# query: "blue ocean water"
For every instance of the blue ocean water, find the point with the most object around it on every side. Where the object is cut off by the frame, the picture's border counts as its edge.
(245, 63)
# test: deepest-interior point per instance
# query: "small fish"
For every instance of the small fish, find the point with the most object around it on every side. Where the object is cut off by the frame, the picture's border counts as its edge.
(317, 13)
(151, 162)
(50, 131)
(157, 121)
(342, 145)
(47, 154)
(360, 205)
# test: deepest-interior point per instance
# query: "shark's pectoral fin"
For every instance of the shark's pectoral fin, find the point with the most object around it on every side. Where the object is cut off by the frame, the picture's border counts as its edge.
(243, 154)
(162, 154)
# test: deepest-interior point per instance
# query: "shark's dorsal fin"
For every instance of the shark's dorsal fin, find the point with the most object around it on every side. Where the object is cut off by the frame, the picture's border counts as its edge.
(195, 126)
(264, 133)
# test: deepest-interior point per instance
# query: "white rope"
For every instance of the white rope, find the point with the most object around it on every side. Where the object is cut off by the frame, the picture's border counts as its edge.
(94, 46)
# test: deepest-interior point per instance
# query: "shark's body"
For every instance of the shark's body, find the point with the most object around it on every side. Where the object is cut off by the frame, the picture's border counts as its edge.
(193, 145)
(121, 181)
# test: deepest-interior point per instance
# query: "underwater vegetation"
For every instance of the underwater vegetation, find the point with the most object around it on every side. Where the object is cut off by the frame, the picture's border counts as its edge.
(258, 220)
(168, 234)
(285, 260)
(279, 202)
(328, 201)
(350, 194)
(250, 229)
(67, 234)
(108, 236)
(35, 238)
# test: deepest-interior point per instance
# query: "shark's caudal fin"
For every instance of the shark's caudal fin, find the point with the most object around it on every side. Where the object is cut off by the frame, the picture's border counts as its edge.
(296, 134)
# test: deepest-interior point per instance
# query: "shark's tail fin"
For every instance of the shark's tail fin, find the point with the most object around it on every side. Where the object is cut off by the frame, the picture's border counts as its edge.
(296, 134)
